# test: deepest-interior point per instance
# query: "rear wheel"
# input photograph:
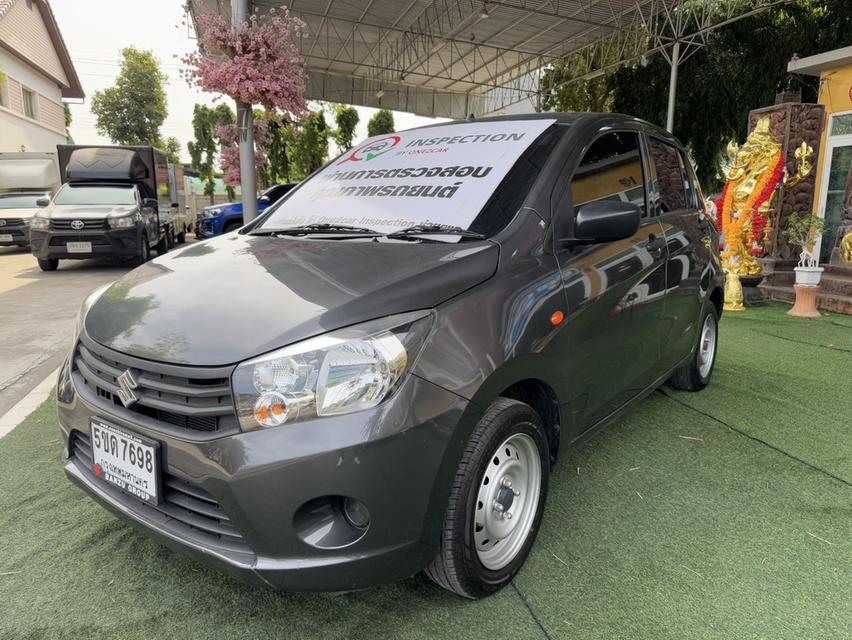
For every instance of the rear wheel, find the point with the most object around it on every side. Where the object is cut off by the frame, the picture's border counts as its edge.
(181, 237)
(496, 502)
(164, 243)
(695, 375)
(50, 264)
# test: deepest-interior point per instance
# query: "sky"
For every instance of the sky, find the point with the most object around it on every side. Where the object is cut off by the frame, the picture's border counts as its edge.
(95, 31)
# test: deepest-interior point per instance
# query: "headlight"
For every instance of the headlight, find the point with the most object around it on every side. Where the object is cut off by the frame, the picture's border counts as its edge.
(212, 213)
(26, 222)
(124, 222)
(88, 303)
(40, 222)
(340, 372)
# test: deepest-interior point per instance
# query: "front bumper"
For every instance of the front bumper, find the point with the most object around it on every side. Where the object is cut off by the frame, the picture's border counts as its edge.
(20, 235)
(206, 228)
(398, 460)
(108, 243)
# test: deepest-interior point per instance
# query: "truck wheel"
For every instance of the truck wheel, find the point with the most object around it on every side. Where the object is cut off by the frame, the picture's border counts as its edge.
(163, 245)
(144, 252)
(51, 264)
(496, 502)
(695, 375)
(181, 237)
(233, 225)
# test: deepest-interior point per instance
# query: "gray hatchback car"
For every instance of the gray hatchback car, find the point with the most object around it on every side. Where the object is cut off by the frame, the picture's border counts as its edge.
(376, 376)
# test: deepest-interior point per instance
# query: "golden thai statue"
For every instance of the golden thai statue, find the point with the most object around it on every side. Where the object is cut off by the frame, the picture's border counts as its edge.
(846, 247)
(745, 210)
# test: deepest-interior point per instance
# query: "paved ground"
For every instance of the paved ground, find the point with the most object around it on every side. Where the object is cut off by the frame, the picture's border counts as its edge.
(721, 514)
(37, 315)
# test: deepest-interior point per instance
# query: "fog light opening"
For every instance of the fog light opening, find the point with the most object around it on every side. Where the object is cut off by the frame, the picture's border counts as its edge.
(356, 513)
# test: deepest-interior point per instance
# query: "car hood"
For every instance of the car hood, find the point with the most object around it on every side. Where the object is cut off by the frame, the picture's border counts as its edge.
(19, 213)
(224, 300)
(88, 211)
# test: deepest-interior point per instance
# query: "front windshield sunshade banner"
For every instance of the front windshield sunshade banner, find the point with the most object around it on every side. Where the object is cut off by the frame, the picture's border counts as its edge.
(436, 175)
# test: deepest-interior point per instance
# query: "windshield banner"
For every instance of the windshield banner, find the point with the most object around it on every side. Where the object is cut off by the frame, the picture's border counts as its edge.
(437, 175)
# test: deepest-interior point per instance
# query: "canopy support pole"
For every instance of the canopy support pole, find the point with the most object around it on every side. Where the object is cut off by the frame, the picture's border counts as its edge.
(245, 126)
(673, 86)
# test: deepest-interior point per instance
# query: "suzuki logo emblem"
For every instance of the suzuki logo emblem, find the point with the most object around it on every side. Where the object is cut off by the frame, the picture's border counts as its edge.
(126, 384)
(77, 224)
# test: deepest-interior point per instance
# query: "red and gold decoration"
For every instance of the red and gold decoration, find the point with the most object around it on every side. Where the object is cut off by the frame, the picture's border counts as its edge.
(755, 173)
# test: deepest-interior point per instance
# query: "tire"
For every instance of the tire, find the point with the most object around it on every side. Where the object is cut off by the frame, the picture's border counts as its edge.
(50, 264)
(163, 245)
(144, 252)
(508, 442)
(181, 237)
(233, 225)
(695, 375)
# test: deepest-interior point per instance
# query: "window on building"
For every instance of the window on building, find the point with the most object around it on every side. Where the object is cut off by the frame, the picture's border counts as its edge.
(4, 94)
(29, 103)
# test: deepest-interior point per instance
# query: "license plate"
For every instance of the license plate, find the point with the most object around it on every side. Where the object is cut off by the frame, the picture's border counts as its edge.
(5, 237)
(79, 247)
(128, 461)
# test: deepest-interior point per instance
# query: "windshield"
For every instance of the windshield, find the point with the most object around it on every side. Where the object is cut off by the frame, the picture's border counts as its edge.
(95, 194)
(441, 175)
(20, 200)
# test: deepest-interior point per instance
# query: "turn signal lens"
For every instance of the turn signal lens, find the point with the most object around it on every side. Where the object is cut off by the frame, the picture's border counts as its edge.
(270, 410)
(557, 318)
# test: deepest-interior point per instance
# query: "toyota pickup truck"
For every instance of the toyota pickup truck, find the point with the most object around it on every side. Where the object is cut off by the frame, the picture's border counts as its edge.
(114, 202)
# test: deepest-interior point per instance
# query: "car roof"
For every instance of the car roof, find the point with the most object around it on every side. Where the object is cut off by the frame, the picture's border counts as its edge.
(574, 118)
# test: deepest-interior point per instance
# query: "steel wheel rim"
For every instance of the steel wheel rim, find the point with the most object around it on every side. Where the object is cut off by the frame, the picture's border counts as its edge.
(707, 346)
(512, 479)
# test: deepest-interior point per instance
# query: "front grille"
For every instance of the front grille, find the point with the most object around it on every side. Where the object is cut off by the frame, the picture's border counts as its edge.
(193, 512)
(178, 399)
(88, 223)
(13, 222)
(61, 241)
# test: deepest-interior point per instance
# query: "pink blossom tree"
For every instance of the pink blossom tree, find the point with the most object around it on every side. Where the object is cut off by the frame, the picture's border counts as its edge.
(256, 63)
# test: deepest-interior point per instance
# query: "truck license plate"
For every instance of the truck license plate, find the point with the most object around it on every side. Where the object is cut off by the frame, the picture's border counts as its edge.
(5, 237)
(127, 461)
(79, 247)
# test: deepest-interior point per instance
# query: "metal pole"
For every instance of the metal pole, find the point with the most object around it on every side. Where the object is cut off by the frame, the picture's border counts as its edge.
(673, 86)
(245, 125)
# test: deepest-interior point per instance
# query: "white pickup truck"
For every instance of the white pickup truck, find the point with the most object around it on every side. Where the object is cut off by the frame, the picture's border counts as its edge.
(24, 178)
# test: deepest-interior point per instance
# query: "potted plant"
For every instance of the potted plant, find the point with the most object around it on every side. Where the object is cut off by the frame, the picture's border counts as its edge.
(803, 232)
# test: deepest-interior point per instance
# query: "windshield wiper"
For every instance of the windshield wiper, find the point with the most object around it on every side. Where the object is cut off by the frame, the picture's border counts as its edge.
(305, 229)
(435, 229)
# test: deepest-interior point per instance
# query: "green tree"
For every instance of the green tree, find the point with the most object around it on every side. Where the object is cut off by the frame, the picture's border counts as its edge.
(202, 150)
(307, 145)
(172, 147)
(742, 68)
(275, 148)
(132, 111)
(561, 92)
(346, 118)
(381, 122)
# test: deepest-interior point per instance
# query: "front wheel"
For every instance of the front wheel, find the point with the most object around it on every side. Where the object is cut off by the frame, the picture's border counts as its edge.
(144, 252)
(695, 375)
(496, 502)
(50, 264)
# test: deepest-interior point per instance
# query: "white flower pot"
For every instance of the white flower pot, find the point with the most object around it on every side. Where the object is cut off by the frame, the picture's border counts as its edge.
(808, 276)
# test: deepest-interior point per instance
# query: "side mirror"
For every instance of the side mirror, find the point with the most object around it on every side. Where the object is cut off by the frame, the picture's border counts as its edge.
(175, 205)
(264, 198)
(43, 201)
(604, 221)
(150, 203)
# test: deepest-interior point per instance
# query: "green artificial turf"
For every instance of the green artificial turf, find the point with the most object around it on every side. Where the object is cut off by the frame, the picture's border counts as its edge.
(724, 514)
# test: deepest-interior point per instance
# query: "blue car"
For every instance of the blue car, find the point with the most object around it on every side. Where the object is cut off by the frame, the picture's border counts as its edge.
(223, 218)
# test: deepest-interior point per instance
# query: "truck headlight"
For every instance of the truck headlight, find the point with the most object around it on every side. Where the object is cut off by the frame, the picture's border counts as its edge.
(212, 213)
(124, 222)
(340, 372)
(40, 222)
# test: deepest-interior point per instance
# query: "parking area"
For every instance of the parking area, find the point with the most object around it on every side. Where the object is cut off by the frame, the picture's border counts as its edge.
(37, 314)
(719, 514)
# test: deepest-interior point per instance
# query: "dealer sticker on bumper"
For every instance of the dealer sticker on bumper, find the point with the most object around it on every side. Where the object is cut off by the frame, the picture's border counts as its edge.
(127, 461)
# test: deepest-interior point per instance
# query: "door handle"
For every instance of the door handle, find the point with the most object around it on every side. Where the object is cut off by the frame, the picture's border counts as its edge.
(655, 245)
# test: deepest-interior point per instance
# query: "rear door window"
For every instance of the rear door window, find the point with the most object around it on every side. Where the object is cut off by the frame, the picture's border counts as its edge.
(674, 191)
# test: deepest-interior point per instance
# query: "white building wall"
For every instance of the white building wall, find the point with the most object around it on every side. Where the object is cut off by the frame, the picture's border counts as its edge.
(17, 130)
